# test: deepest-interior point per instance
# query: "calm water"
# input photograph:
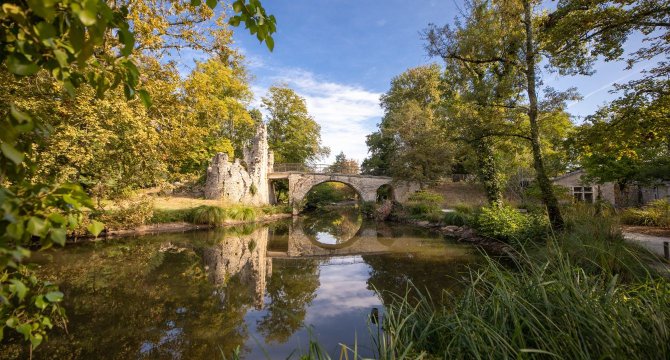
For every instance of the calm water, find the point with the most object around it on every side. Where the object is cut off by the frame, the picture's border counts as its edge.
(266, 290)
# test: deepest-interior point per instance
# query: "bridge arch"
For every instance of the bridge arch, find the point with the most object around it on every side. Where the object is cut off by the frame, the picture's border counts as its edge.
(300, 184)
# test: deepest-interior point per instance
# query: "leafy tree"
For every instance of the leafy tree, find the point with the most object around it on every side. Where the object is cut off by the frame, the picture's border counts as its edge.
(218, 95)
(626, 140)
(410, 143)
(342, 165)
(293, 134)
(514, 47)
(76, 42)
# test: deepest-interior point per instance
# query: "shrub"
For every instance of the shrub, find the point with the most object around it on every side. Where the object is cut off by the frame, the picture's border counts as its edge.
(368, 208)
(241, 213)
(656, 213)
(424, 202)
(208, 215)
(457, 218)
(129, 213)
(507, 224)
(162, 216)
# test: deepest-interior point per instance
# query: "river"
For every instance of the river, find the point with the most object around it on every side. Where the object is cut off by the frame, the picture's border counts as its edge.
(263, 290)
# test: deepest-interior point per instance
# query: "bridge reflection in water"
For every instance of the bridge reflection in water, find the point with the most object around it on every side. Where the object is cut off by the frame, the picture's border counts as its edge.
(336, 238)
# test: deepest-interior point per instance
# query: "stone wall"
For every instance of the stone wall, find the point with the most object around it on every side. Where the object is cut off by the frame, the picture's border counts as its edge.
(242, 182)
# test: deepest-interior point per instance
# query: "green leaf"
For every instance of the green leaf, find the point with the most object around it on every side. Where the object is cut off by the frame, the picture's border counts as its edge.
(238, 6)
(54, 296)
(145, 97)
(12, 322)
(87, 17)
(36, 226)
(211, 3)
(95, 227)
(40, 303)
(44, 9)
(20, 116)
(61, 57)
(58, 236)
(11, 153)
(19, 288)
(234, 21)
(45, 31)
(196, 2)
(269, 41)
(36, 340)
(21, 66)
(24, 329)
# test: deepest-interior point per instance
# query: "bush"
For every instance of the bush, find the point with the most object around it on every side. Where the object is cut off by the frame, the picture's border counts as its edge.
(208, 215)
(457, 218)
(163, 216)
(656, 213)
(507, 224)
(241, 213)
(129, 214)
(423, 202)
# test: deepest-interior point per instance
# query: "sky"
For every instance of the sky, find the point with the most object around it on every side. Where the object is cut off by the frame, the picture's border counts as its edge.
(340, 55)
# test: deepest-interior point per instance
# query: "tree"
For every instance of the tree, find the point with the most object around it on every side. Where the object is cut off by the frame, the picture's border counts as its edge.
(342, 165)
(626, 140)
(218, 95)
(410, 143)
(293, 134)
(517, 50)
(75, 42)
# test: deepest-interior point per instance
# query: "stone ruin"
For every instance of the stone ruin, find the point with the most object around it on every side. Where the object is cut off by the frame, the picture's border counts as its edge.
(243, 182)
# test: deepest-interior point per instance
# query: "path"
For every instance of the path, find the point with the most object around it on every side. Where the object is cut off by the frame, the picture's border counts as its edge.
(653, 243)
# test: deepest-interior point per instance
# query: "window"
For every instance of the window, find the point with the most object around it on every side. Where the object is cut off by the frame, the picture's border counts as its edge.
(583, 193)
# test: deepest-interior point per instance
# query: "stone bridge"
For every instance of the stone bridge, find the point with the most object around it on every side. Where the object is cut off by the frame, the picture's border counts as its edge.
(247, 180)
(300, 183)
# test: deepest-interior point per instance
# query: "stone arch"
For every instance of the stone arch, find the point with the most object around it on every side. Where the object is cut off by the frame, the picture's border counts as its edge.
(366, 186)
(385, 192)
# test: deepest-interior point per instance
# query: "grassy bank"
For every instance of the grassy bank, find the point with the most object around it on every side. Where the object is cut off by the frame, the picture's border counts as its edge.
(140, 211)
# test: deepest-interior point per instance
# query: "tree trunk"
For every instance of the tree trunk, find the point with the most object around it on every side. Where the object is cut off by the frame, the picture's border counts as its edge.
(548, 196)
(487, 172)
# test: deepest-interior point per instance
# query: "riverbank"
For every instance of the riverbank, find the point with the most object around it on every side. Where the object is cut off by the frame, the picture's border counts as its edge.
(180, 226)
(151, 214)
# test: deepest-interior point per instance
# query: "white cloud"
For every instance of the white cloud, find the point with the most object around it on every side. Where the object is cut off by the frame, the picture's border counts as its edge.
(346, 113)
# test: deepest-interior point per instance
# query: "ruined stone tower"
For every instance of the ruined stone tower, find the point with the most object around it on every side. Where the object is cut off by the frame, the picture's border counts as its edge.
(242, 182)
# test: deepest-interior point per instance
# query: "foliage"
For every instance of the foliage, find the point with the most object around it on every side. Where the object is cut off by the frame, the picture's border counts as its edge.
(329, 193)
(627, 139)
(293, 134)
(655, 213)
(423, 203)
(457, 218)
(75, 43)
(129, 213)
(241, 213)
(342, 165)
(410, 144)
(507, 224)
(515, 314)
(209, 215)
(495, 50)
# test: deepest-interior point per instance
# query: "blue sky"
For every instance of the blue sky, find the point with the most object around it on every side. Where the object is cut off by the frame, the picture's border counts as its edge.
(340, 55)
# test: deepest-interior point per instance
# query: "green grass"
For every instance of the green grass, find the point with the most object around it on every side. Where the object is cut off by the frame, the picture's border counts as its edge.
(656, 213)
(208, 215)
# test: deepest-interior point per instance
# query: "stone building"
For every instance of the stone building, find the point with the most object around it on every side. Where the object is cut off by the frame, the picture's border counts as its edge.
(244, 182)
(634, 194)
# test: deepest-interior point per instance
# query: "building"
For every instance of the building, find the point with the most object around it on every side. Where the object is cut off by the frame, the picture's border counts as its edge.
(635, 194)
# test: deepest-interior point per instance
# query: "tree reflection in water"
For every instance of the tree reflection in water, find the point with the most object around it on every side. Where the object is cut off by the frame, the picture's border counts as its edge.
(335, 225)
(291, 289)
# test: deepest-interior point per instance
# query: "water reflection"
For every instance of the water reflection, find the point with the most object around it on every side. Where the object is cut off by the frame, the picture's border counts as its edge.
(195, 295)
